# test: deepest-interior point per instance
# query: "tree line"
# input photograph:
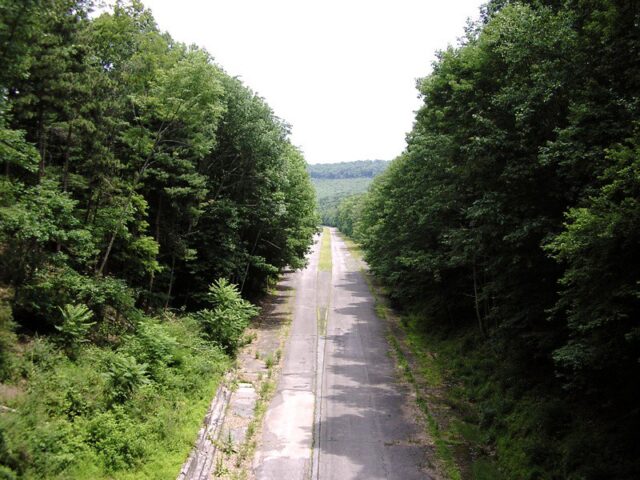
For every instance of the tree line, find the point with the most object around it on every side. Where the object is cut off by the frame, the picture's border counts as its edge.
(135, 171)
(359, 168)
(515, 211)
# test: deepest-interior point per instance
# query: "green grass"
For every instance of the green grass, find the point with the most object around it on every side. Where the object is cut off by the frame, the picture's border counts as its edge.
(442, 443)
(428, 367)
(325, 264)
(353, 247)
(322, 315)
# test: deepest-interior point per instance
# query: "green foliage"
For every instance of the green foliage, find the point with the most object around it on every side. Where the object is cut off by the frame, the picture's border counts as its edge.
(7, 474)
(225, 323)
(14, 150)
(104, 414)
(124, 154)
(135, 172)
(7, 341)
(348, 215)
(153, 346)
(335, 182)
(76, 323)
(301, 219)
(357, 169)
(124, 376)
(331, 192)
(40, 217)
(114, 437)
(600, 290)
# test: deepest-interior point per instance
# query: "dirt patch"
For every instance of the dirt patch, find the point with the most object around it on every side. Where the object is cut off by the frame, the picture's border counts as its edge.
(10, 393)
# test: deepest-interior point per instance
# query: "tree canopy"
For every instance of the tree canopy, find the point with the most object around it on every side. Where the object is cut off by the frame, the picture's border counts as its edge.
(135, 171)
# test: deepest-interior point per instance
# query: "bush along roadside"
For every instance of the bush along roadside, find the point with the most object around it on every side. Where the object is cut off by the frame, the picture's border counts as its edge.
(83, 406)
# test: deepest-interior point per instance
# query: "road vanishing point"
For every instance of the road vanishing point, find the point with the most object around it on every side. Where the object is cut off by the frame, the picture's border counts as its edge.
(340, 411)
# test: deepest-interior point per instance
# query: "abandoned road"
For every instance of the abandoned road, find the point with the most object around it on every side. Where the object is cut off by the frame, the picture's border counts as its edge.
(339, 411)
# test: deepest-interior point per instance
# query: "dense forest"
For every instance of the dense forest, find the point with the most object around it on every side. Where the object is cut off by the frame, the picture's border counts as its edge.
(143, 193)
(334, 182)
(511, 223)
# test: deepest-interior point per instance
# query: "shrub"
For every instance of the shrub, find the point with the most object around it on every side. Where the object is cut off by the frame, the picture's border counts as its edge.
(55, 286)
(76, 323)
(224, 324)
(7, 474)
(54, 445)
(125, 375)
(152, 345)
(6, 460)
(116, 439)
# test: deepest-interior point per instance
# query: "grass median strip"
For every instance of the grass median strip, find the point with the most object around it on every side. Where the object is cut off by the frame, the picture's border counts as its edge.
(325, 251)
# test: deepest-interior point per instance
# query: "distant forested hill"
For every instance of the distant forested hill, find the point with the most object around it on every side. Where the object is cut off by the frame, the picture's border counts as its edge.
(359, 169)
(336, 181)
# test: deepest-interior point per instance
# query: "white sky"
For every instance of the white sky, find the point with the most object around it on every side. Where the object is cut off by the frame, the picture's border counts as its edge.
(342, 73)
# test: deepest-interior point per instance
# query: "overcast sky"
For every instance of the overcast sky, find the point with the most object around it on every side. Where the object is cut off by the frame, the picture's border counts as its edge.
(341, 72)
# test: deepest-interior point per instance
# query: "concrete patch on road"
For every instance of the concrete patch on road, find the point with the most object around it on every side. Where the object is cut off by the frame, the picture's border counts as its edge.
(245, 398)
(284, 451)
(285, 447)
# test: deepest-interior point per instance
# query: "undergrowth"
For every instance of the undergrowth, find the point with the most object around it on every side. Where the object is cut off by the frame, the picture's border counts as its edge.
(512, 431)
(129, 410)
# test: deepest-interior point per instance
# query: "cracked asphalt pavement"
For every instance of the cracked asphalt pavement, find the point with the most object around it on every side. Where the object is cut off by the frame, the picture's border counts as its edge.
(340, 411)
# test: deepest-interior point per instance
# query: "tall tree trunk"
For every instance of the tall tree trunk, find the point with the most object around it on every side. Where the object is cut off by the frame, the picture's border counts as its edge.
(65, 171)
(108, 252)
(170, 289)
(67, 155)
(114, 234)
(476, 300)
(43, 154)
(152, 275)
(123, 217)
(42, 143)
(87, 212)
(246, 270)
